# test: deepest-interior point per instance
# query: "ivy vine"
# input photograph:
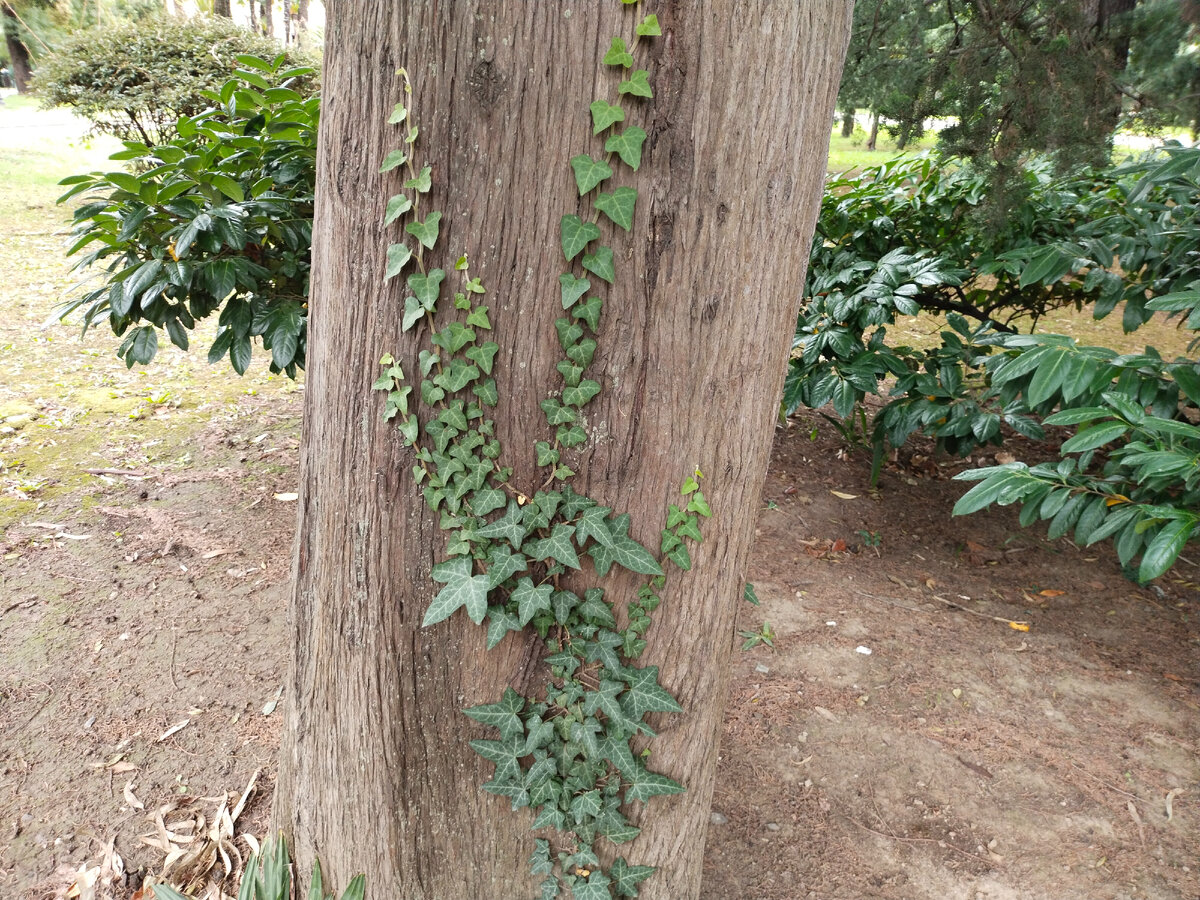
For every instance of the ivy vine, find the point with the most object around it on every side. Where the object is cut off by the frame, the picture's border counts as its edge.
(512, 552)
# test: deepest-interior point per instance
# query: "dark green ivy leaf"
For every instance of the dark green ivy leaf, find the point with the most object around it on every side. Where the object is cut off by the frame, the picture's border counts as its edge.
(569, 334)
(501, 715)
(556, 413)
(427, 287)
(483, 354)
(579, 352)
(590, 312)
(503, 564)
(570, 435)
(500, 623)
(643, 785)
(576, 234)
(572, 288)
(580, 396)
(618, 206)
(626, 878)
(557, 546)
(600, 263)
(508, 527)
(462, 589)
(531, 599)
(627, 145)
(645, 694)
(589, 172)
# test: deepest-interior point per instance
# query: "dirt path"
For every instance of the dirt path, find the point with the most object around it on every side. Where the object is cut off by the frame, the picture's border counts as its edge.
(145, 534)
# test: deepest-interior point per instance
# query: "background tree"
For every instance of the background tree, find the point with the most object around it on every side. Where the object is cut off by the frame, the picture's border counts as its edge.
(1163, 76)
(19, 59)
(375, 771)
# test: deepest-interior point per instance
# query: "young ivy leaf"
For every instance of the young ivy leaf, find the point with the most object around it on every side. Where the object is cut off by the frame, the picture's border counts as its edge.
(426, 232)
(462, 589)
(398, 256)
(627, 144)
(394, 159)
(483, 354)
(422, 182)
(580, 396)
(399, 114)
(396, 207)
(618, 206)
(605, 114)
(617, 54)
(427, 287)
(649, 27)
(576, 234)
(589, 172)
(638, 84)
(572, 288)
(600, 263)
(413, 312)
(479, 318)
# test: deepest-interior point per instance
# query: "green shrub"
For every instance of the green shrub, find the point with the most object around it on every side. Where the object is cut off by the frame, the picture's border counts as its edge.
(219, 217)
(135, 79)
(902, 239)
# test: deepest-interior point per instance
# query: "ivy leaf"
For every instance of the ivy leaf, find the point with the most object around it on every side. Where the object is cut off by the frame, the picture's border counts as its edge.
(483, 354)
(617, 54)
(508, 527)
(628, 553)
(593, 524)
(680, 556)
(396, 207)
(539, 861)
(500, 623)
(462, 589)
(428, 360)
(604, 648)
(644, 785)
(570, 372)
(556, 413)
(422, 182)
(427, 287)
(564, 602)
(456, 377)
(557, 546)
(626, 878)
(580, 352)
(586, 806)
(649, 27)
(486, 391)
(503, 564)
(501, 715)
(645, 694)
(580, 396)
(638, 84)
(549, 885)
(394, 159)
(589, 172)
(399, 114)
(426, 232)
(572, 288)
(398, 256)
(605, 700)
(479, 318)
(576, 234)
(413, 313)
(570, 436)
(504, 754)
(595, 610)
(627, 144)
(618, 206)
(487, 500)
(531, 599)
(600, 263)
(569, 334)
(546, 455)
(698, 504)
(605, 114)
(590, 313)
(690, 529)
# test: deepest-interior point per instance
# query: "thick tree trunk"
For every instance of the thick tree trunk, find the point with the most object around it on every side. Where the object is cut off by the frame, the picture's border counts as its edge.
(18, 53)
(221, 8)
(847, 123)
(873, 138)
(375, 773)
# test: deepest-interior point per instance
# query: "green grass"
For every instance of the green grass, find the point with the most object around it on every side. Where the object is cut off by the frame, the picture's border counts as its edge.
(852, 153)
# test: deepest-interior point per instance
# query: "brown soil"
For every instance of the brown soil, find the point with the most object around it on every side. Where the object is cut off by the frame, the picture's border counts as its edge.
(960, 758)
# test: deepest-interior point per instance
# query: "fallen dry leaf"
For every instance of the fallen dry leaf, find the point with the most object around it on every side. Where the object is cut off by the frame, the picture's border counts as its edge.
(174, 729)
(131, 797)
(844, 496)
(287, 497)
(1051, 592)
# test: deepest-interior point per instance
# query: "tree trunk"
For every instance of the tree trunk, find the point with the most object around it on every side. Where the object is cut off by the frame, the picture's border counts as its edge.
(18, 53)
(375, 773)
(847, 123)
(253, 17)
(874, 136)
(266, 18)
(221, 8)
(301, 19)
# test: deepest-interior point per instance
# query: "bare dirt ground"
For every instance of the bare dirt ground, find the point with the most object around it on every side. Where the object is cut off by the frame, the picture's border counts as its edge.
(145, 534)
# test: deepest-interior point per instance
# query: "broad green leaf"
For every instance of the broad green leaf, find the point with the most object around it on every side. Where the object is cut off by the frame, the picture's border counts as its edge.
(483, 354)
(626, 552)
(501, 715)
(1096, 436)
(645, 694)
(503, 563)
(413, 312)
(556, 413)
(580, 352)
(593, 524)
(479, 318)
(398, 256)
(638, 84)
(454, 337)
(576, 234)
(557, 546)
(399, 114)
(617, 54)
(572, 288)
(569, 334)
(462, 589)
(589, 172)
(1165, 548)
(644, 785)
(486, 392)
(600, 263)
(508, 527)
(228, 187)
(627, 144)
(125, 182)
(426, 232)
(531, 599)
(604, 115)
(397, 206)
(427, 287)
(570, 372)
(1048, 378)
(618, 206)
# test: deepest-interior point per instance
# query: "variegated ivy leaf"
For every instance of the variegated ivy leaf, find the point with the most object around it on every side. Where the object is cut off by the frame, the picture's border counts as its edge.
(501, 715)
(463, 589)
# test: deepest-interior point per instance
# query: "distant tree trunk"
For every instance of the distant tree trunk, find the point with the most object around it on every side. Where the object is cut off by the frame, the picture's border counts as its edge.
(375, 772)
(266, 18)
(221, 8)
(874, 131)
(301, 18)
(253, 16)
(847, 123)
(18, 53)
